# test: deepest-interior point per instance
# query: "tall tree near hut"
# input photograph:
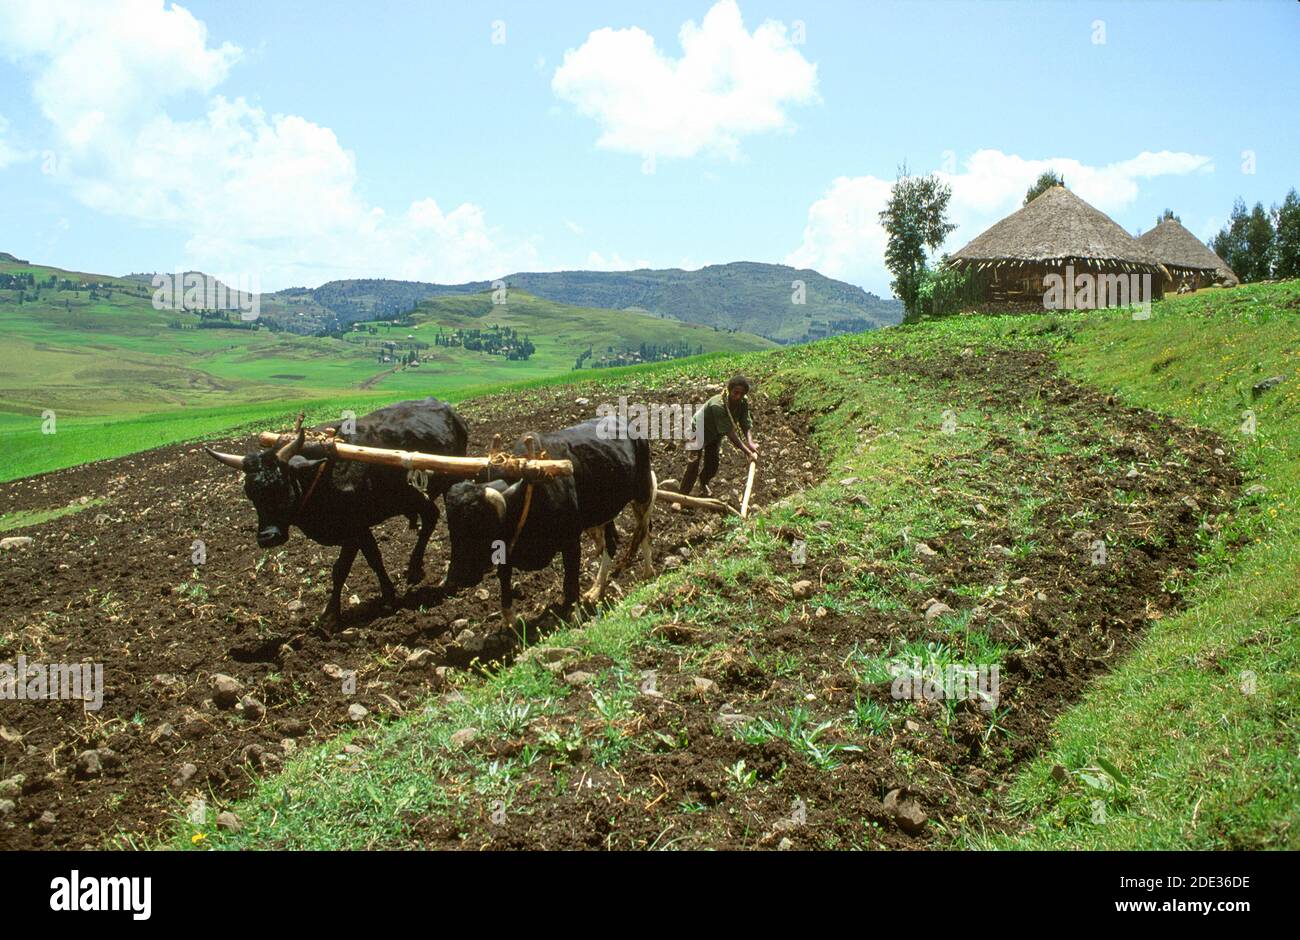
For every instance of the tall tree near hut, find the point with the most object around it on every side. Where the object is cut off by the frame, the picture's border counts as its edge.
(1230, 243)
(914, 221)
(1259, 244)
(1286, 240)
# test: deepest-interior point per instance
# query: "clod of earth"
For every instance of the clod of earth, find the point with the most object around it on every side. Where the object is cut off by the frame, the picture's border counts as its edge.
(935, 608)
(252, 709)
(463, 737)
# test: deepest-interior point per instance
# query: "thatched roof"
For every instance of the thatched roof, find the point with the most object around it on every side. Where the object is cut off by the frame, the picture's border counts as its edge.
(1057, 227)
(1175, 246)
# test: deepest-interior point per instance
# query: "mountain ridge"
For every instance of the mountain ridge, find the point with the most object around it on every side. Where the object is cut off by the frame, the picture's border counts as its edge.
(748, 296)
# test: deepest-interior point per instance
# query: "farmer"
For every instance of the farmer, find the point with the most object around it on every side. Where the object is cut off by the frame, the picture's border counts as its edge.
(724, 415)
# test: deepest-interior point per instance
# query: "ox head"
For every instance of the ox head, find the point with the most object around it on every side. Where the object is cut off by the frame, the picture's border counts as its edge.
(475, 517)
(271, 483)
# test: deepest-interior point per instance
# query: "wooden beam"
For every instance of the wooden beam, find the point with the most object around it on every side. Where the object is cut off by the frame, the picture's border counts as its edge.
(506, 465)
(696, 502)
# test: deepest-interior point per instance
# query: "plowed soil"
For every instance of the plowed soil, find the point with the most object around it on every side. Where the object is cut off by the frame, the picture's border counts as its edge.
(115, 584)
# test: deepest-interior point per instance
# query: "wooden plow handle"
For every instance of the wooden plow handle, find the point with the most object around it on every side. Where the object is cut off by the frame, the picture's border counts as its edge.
(695, 502)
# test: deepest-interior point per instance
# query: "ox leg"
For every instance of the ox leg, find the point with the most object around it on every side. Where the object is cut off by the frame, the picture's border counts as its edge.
(342, 566)
(370, 549)
(597, 591)
(428, 513)
(641, 536)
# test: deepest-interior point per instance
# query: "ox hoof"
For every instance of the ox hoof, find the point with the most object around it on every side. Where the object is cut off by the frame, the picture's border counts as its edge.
(414, 575)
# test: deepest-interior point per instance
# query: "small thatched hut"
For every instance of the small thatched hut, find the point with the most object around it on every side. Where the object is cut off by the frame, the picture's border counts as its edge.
(1055, 239)
(1190, 263)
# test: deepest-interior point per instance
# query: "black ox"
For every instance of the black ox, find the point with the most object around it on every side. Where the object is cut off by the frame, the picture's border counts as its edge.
(488, 526)
(335, 502)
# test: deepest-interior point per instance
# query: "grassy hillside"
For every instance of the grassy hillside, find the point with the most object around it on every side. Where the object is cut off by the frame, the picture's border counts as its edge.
(118, 377)
(1187, 738)
(745, 296)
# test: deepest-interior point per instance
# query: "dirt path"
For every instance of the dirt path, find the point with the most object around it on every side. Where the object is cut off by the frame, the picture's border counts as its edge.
(115, 584)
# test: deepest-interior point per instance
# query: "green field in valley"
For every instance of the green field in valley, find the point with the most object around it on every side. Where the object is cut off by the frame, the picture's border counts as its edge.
(118, 378)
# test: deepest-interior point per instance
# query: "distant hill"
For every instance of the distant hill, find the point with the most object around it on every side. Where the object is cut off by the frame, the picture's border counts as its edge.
(591, 337)
(5, 256)
(744, 296)
(88, 345)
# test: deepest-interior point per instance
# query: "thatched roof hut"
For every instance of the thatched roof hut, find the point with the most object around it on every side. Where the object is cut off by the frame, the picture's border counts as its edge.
(1053, 234)
(1186, 257)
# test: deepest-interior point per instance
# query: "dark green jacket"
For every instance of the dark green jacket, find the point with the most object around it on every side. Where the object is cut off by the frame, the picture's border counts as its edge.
(716, 420)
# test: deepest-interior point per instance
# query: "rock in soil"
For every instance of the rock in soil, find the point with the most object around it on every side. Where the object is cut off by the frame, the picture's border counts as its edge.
(906, 812)
(225, 690)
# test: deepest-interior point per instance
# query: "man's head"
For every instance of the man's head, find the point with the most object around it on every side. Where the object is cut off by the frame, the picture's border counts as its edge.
(737, 388)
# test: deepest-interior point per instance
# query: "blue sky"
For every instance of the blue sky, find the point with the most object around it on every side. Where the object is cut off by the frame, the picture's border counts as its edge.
(297, 142)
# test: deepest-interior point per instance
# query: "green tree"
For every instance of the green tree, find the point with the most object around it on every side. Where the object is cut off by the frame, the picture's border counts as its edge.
(1046, 181)
(1166, 216)
(1230, 243)
(1286, 241)
(1259, 243)
(913, 220)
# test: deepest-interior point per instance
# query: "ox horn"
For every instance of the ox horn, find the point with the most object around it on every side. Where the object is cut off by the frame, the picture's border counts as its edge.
(290, 450)
(496, 501)
(230, 460)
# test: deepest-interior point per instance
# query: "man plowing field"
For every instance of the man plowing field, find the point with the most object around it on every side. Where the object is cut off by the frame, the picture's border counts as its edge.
(724, 415)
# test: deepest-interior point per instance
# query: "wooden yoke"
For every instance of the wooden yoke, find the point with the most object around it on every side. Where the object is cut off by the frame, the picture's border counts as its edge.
(532, 469)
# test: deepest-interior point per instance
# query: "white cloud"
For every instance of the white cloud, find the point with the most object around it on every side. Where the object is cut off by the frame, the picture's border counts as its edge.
(728, 83)
(99, 65)
(843, 237)
(267, 194)
(573, 227)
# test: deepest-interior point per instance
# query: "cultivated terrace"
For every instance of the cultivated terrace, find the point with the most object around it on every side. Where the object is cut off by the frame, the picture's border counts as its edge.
(1099, 505)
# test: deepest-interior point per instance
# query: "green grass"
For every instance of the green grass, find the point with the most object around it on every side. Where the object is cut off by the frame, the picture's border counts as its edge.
(22, 518)
(26, 448)
(1202, 718)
